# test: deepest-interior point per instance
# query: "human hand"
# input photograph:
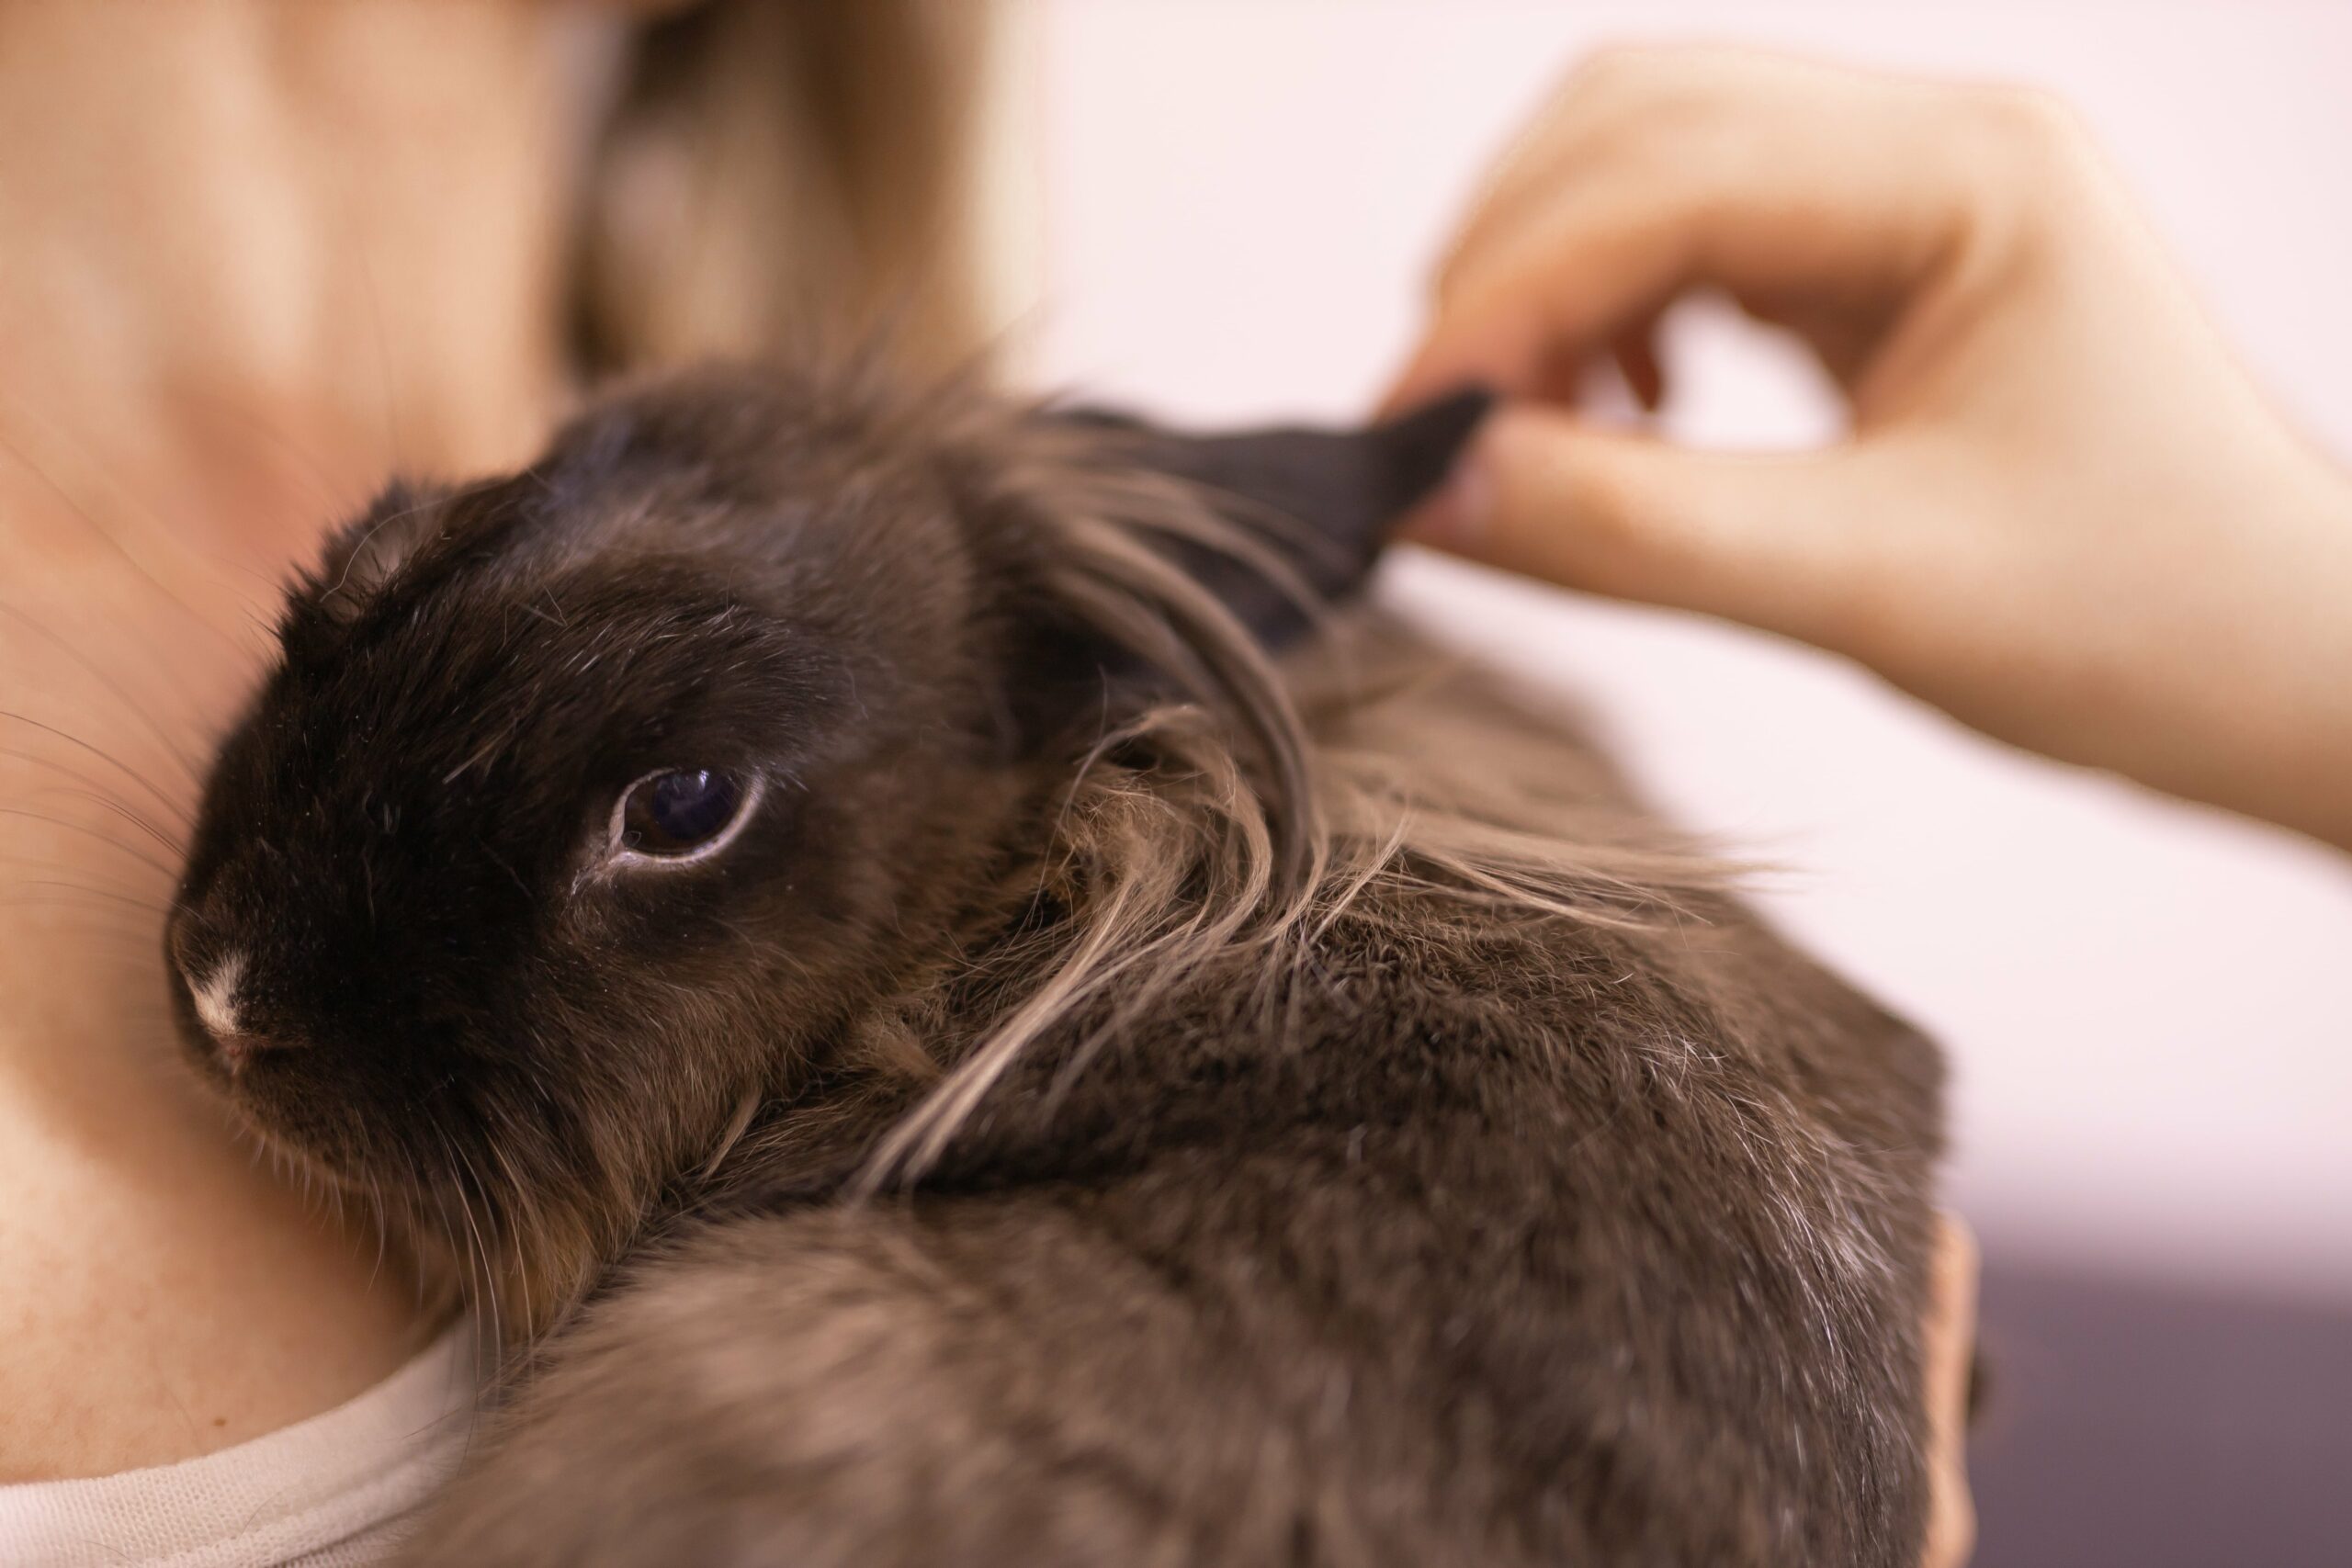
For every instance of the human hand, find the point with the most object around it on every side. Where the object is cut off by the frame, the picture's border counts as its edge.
(2063, 514)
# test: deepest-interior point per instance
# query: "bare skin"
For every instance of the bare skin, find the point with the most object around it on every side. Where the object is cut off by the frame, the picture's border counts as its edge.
(1950, 1347)
(256, 255)
(2064, 514)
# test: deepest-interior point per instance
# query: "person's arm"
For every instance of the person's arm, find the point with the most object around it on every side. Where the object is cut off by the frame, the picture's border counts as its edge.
(2064, 513)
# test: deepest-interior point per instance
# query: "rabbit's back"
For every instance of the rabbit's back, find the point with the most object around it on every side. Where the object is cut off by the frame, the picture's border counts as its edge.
(1463, 1232)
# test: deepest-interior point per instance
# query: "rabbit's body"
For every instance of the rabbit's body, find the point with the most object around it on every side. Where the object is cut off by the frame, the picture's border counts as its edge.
(1426, 1165)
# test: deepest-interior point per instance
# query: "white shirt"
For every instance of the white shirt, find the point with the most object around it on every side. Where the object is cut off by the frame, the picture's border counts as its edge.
(331, 1492)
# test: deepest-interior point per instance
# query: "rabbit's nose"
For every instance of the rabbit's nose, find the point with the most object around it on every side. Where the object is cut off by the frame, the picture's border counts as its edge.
(215, 981)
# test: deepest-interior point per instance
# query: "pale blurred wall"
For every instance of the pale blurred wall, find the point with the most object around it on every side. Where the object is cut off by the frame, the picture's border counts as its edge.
(1233, 204)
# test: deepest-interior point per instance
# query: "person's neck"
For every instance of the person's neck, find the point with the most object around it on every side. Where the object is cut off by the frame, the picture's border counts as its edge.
(255, 257)
(279, 261)
(258, 257)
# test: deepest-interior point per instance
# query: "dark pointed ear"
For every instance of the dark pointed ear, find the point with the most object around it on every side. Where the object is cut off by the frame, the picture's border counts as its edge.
(364, 553)
(1322, 500)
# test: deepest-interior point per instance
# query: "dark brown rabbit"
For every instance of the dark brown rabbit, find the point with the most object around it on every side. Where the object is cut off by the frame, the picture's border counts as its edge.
(818, 905)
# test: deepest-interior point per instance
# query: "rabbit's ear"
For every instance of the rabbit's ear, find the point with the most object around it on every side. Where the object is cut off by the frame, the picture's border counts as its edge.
(1127, 589)
(1322, 501)
(364, 553)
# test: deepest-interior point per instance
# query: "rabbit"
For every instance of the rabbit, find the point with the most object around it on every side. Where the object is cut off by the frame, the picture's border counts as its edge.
(953, 995)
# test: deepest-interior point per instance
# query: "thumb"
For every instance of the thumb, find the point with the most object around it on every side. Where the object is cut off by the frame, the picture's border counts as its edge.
(1776, 540)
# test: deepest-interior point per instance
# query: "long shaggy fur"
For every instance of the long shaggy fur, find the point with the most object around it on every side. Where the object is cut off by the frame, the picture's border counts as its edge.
(1134, 1097)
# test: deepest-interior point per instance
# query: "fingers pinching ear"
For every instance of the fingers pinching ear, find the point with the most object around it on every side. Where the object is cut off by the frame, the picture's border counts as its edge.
(1755, 537)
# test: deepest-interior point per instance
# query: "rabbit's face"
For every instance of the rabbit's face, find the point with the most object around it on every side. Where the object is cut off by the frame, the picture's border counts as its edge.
(583, 805)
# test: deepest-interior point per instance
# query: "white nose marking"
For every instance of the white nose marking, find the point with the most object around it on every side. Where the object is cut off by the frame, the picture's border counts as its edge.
(216, 996)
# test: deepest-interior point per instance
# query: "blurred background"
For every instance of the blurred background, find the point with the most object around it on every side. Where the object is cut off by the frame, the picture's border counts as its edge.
(1226, 208)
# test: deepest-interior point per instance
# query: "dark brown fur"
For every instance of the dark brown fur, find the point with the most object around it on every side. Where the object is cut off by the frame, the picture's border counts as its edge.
(1104, 1114)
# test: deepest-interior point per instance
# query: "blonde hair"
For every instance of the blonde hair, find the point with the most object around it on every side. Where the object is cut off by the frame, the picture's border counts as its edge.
(776, 175)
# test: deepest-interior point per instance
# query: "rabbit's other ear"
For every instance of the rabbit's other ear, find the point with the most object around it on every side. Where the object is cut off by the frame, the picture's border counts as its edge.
(1131, 595)
(1322, 500)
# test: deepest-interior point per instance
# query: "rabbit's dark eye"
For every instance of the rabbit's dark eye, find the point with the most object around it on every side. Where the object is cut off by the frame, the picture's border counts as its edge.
(682, 814)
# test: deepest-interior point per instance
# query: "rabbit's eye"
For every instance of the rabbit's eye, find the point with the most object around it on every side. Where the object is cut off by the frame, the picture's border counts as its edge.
(682, 814)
